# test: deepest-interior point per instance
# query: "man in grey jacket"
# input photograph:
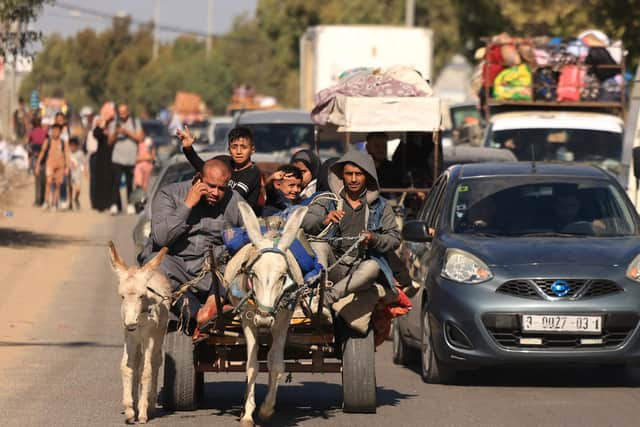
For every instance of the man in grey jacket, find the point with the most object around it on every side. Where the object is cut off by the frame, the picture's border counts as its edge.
(189, 218)
(359, 213)
(124, 134)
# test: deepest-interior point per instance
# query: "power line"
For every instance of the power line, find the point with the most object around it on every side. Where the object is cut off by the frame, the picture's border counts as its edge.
(109, 16)
(241, 38)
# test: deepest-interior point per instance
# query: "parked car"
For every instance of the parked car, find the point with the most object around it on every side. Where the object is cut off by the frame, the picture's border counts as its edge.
(217, 132)
(200, 131)
(278, 134)
(521, 263)
(164, 144)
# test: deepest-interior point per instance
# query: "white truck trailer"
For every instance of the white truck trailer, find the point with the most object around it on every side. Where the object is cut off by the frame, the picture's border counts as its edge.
(327, 51)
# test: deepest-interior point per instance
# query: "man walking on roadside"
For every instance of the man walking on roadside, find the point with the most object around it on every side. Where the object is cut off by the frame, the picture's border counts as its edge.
(124, 134)
(20, 122)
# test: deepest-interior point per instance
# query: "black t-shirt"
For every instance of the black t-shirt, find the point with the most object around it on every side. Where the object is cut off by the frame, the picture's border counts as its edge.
(246, 181)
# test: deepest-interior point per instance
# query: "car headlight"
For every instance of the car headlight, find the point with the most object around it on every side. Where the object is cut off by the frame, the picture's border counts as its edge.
(633, 271)
(146, 229)
(462, 267)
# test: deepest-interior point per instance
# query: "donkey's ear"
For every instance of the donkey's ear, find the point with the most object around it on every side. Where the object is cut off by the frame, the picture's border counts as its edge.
(291, 228)
(116, 262)
(251, 224)
(155, 262)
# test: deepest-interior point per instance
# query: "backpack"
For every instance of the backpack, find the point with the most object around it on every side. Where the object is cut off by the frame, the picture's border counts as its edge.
(545, 81)
(513, 83)
(571, 82)
(601, 56)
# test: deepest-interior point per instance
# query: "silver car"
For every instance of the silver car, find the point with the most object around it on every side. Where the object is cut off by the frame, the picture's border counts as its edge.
(521, 263)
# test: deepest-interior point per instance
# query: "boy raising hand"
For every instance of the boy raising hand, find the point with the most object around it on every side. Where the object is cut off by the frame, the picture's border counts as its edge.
(245, 175)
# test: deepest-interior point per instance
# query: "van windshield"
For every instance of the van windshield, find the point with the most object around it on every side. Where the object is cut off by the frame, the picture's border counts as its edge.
(600, 148)
(525, 206)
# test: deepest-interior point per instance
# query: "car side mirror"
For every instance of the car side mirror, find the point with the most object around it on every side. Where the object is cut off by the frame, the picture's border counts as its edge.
(636, 162)
(416, 231)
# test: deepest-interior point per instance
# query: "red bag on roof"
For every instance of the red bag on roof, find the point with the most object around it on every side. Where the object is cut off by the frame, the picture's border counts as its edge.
(570, 82)
(493, 65)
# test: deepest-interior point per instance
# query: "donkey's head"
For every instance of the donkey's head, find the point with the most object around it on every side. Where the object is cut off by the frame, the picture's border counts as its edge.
(271, 265)
(132, 286)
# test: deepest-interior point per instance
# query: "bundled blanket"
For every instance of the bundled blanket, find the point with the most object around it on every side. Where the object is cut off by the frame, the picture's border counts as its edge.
(398, 81)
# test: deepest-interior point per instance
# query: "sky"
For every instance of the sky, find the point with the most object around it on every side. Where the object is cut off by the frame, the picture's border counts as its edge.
(187, 14)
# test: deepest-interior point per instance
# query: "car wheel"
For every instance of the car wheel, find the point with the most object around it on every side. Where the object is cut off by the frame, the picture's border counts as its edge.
(433, 370)
(402, 353)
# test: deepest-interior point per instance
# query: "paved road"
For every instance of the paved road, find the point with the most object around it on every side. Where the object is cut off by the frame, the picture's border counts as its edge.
(67, 374)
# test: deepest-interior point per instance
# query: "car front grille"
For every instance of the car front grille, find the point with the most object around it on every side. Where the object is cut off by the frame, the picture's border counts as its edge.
(506, 330)
(541, 288)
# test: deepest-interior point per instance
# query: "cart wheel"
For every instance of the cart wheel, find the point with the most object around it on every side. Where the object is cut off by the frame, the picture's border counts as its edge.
(402, 353)
(182, 384)
(359, 373)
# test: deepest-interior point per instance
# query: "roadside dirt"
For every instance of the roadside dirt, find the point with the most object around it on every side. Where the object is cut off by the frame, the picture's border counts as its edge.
(37, 249)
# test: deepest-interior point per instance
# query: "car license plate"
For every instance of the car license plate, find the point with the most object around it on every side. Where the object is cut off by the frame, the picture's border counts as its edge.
(561, 323)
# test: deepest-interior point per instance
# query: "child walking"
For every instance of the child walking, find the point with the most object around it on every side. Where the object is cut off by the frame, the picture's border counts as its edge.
(144, 164)
(78, 169)
(56, 166)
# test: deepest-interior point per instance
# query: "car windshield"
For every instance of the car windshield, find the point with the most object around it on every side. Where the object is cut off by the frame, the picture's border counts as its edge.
(220, 132)
(175, 173)
(155, 129)
(464, 115)
(600, 148)
(527, 206)
(281, 137)
(198, 130)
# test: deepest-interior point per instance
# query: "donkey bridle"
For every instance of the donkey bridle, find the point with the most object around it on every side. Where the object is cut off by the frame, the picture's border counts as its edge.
(286, 298)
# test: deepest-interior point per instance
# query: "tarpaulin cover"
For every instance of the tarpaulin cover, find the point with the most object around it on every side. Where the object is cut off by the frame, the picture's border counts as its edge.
(377, 114)
(376, 100)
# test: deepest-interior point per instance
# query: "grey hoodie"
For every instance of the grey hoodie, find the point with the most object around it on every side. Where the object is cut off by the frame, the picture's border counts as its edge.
(386, 236)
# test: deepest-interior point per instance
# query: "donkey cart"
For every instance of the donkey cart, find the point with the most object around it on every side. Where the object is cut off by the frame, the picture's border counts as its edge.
(312, 345)
(301, 340)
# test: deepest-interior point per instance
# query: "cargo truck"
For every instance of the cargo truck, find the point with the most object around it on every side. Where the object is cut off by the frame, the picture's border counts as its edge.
(327, 51)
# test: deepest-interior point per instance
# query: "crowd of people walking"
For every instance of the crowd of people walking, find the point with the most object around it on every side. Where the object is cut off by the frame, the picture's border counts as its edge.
(106, 149)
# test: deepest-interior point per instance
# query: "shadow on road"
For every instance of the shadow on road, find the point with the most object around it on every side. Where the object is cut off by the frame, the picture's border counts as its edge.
(295, 404)
(70, 344)
(547, 376)
(15, 238)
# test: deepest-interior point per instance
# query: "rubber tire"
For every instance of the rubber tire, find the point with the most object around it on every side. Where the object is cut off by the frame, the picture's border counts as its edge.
(359, 373)
(403, 354)
(181, 381)
(432, 370)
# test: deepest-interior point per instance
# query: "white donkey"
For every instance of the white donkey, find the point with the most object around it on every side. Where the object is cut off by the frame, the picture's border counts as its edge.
(145, 296)
(271, 274)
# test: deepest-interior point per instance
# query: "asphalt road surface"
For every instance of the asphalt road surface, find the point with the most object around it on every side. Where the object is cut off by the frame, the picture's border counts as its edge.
(60, 367)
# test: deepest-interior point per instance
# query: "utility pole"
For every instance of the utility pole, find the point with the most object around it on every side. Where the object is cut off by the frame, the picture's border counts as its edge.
(14, 29)
(156, 36)
(209, 26)
(409, 13)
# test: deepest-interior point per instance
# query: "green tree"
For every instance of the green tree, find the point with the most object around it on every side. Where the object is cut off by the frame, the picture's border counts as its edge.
(15, 16)
(183, 66)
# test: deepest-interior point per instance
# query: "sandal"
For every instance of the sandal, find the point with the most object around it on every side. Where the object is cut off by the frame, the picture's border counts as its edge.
(213, 316)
